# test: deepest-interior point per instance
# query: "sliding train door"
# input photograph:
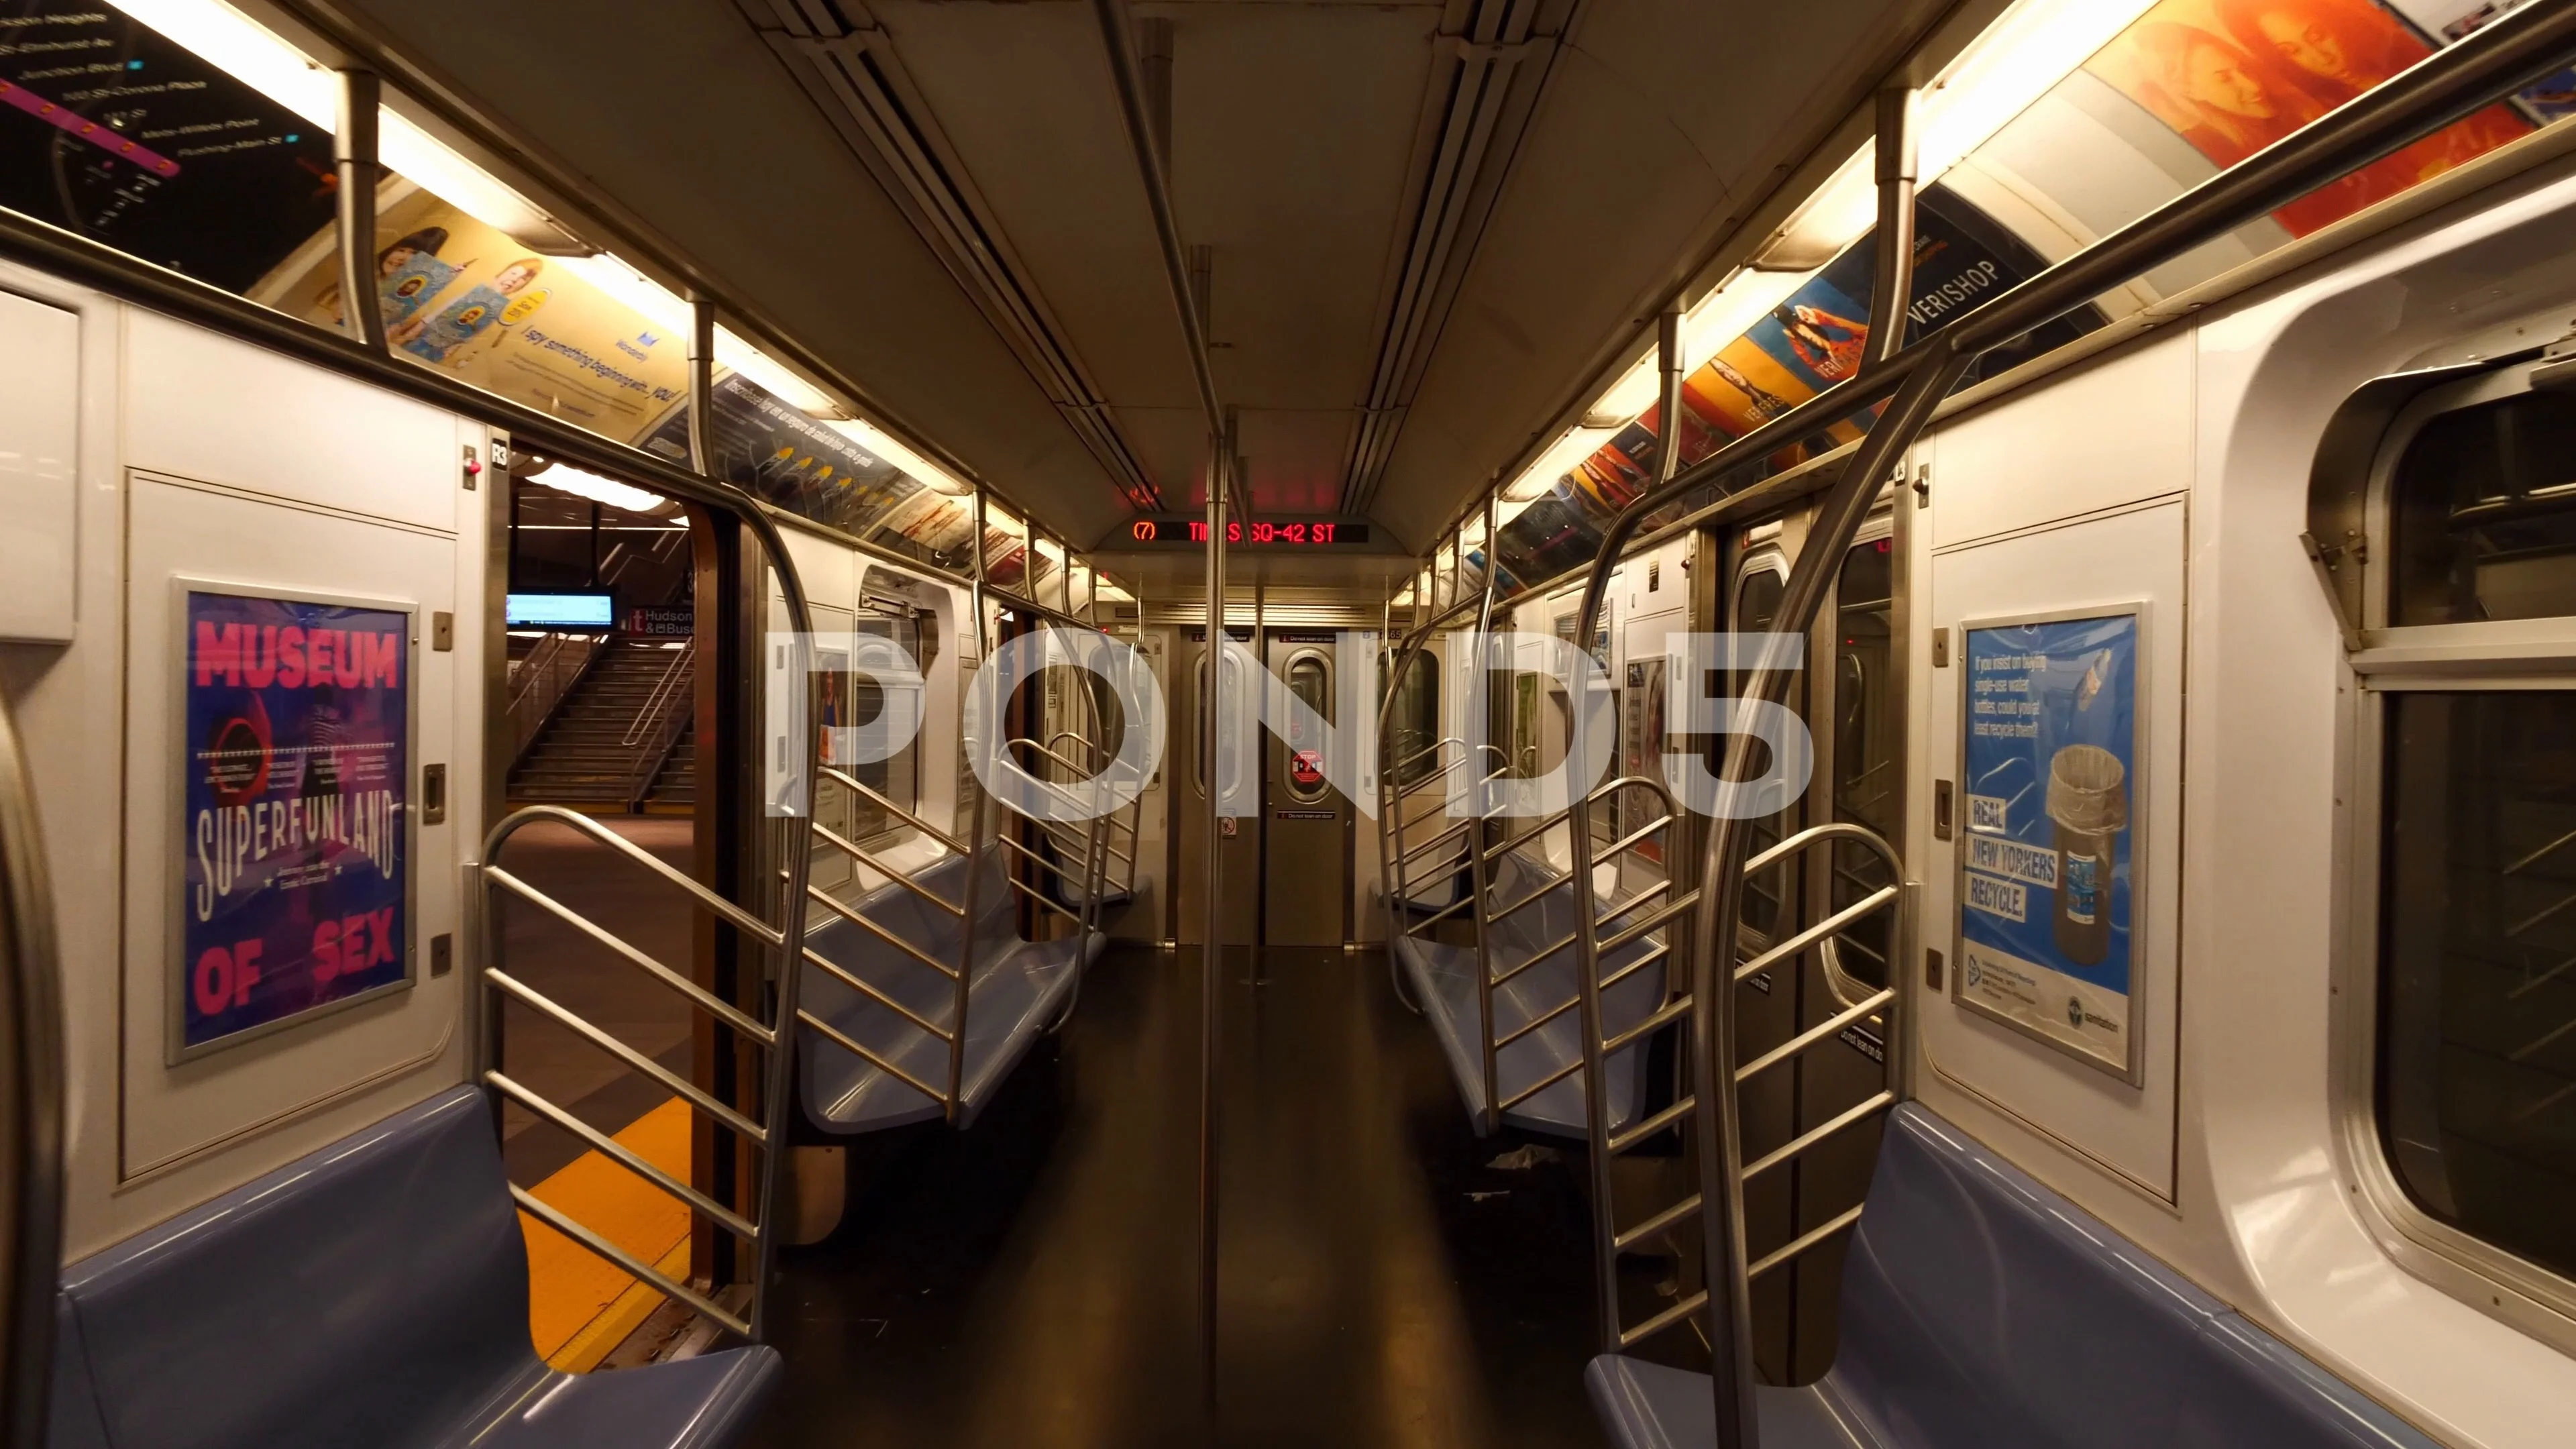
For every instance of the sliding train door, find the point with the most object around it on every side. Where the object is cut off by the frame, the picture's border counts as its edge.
(1235, 852)
(1308, 825)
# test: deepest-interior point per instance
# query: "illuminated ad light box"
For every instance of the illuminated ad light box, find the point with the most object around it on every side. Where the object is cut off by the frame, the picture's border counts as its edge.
(571, 609)
(2049, 862)
(296, 716)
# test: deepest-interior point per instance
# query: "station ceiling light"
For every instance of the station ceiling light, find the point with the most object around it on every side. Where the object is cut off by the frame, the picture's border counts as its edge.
(564, 478)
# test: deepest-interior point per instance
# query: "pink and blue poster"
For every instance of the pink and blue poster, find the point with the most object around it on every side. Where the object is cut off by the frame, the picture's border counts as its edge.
(295, 882)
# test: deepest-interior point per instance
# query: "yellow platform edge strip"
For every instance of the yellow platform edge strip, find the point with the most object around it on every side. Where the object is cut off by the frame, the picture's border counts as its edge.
(580, 1306)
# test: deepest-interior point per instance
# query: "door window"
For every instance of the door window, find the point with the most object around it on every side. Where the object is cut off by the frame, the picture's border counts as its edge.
(1869, 757)
(1757, 607)
(1311, 682)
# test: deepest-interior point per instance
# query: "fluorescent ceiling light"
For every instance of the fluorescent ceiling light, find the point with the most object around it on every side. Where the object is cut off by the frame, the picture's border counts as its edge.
(1110, 591)
(1572, 447)
(1729, 312)
(257, 57)
(1636, 390)
(627, 283)
(564, 478)
(226, 39)
(885, 445)
(2011, 64)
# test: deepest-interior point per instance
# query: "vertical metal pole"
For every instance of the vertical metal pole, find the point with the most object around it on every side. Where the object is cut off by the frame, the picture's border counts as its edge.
(1720, 1128)
(973, 836)
(1893, 280)
(1480, 688)
(1212, 954)
(30, 978)
(702, 393)
(354, 168)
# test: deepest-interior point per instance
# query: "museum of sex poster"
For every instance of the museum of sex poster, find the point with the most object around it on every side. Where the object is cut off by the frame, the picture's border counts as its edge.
(295, 882)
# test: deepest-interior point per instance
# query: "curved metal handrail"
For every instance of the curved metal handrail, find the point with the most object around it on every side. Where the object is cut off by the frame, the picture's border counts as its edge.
(30, 974)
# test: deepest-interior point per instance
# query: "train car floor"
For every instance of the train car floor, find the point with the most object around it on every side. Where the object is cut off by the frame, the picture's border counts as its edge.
(1387, 1279)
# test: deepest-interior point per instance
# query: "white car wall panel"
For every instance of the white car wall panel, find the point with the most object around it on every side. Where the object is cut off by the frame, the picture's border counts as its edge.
(2106, 434)
(40, 387)
(183, 530)
(2134, 556)
(204, 407)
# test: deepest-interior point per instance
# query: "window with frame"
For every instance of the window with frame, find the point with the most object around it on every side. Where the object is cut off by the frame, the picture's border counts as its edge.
(862, 712)
(1413, 724)
(2474, 1012)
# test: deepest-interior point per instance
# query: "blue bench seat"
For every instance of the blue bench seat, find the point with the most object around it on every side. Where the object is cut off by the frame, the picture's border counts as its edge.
(374, 1293)
(1016, 990)
(1444, 982)
(1980, 1308)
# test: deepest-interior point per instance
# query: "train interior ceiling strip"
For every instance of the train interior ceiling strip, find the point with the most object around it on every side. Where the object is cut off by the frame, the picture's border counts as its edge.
(1231, 725)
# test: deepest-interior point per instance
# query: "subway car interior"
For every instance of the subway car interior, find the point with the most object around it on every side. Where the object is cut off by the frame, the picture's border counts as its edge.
(1210, 724)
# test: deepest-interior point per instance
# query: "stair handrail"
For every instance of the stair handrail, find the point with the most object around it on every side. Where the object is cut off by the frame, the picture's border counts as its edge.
(528, 714)
(660, 724)
(31, 977)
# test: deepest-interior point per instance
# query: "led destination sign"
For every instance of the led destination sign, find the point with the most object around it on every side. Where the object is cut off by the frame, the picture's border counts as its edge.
(1260, 532)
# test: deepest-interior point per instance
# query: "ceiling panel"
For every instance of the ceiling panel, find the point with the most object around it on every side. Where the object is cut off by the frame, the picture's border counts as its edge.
(1663, 121)
(692, 124)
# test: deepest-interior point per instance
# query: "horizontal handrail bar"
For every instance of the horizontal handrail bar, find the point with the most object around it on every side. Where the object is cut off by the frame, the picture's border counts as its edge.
(891, 808)
(526, 815)
(1805, 1140)
(679, 1085)
(1651, 924)
(555, 1218)
(841, 1039)
(1842, 1222)
(1813, 834)
(1622, 1141)
(1541, 1085)
(817, 893)
(1040, 897)
(865, 857)
(706, 1000)
(1631, 1337)
(860, 984)
(1436, 917)
(1663, 1016)
(1834, 924)
(1438, 744)
(627, 1157)
(1452, 833)
(1659, 1222)
(1868, 1007)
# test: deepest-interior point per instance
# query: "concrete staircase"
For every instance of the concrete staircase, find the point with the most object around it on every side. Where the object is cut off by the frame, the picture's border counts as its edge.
(598, 748)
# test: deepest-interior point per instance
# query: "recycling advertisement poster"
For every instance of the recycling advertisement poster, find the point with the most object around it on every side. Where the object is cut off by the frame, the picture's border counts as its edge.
(2048, 866)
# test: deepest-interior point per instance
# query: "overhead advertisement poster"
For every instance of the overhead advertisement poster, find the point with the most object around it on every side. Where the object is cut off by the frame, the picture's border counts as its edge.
(2048, 864)
(466, 299)
(294, 877)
